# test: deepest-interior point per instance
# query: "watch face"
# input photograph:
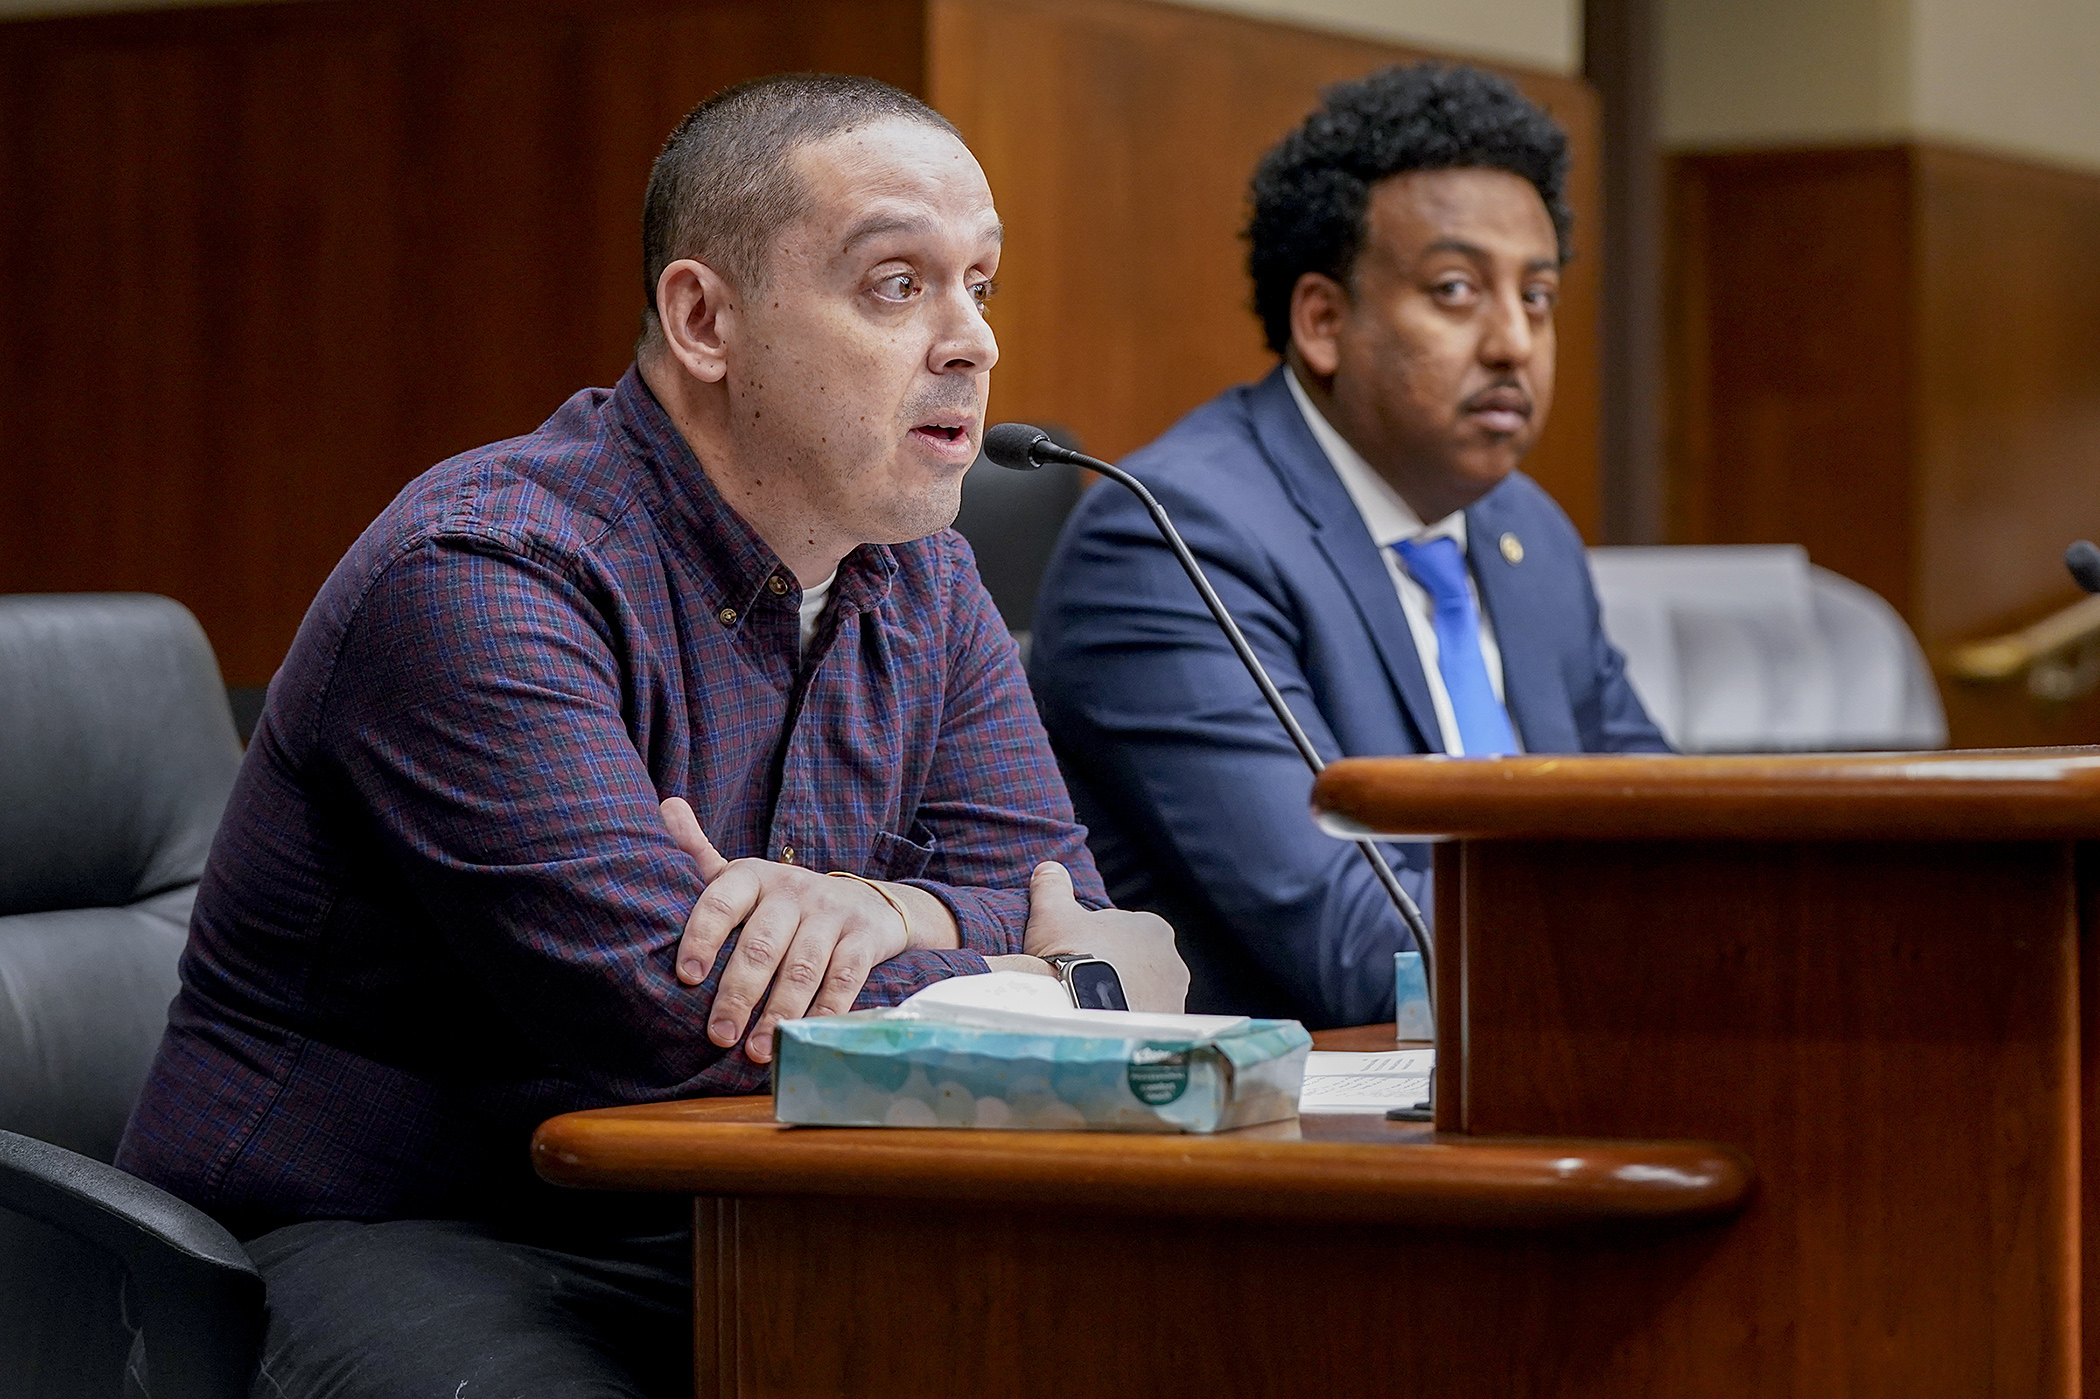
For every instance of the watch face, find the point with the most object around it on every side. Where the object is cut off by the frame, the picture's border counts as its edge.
(1095, 986)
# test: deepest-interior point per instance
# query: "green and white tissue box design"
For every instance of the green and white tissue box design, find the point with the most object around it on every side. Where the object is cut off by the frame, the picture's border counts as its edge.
(886, 1068)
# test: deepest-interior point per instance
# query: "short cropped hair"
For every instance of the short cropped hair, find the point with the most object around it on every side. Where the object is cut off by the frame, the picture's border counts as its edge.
(1311, 194)
(724, 185)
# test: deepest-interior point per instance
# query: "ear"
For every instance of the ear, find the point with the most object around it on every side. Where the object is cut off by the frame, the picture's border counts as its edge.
(1319, 310)
(699, 314)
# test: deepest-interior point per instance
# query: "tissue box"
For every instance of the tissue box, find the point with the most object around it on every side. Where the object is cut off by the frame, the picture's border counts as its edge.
(1411, 999)
(875, 1068)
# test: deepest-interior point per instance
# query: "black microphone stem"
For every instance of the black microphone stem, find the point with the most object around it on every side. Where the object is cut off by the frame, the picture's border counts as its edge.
(1409, 912)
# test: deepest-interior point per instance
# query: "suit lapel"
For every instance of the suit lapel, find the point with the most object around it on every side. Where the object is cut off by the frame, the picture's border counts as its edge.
(1338, 530)
(1531, 691)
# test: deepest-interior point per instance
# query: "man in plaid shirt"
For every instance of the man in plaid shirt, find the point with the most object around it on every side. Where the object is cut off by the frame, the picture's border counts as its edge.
(544, 807)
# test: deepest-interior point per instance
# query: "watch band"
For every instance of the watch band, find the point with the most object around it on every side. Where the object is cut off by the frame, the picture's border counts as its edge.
(1064, 965)
(1061, 964)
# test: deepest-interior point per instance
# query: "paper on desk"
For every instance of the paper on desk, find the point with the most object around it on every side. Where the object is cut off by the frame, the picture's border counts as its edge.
(1019, 1003)
(1338, 1082)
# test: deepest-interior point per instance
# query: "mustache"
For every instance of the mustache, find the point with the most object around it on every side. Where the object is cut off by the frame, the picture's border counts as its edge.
(1478, 400)
(951, 401)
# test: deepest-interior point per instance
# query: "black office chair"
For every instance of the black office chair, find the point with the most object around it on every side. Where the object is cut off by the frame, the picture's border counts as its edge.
(1012, 519)
(193, 1293)
(116, 756)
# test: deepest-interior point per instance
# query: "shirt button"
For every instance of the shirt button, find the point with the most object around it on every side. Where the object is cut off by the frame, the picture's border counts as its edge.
(778, 584)
(727, 616)
(787, 854)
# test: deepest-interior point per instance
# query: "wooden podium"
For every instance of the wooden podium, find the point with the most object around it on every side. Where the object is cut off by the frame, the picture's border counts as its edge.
(1867, 973)
(1760, 1077)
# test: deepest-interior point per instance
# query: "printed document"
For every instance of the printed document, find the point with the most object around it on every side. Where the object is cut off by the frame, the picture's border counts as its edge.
(1338, 1082)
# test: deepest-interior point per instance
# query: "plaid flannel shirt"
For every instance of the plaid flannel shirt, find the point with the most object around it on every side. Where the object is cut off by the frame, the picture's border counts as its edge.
(442, 904)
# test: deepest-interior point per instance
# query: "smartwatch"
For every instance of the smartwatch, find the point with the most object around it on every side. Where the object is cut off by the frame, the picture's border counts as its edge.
(1090, 982)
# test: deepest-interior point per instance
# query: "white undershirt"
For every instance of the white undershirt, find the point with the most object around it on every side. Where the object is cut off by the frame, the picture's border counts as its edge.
(1390, 520)
(813, 600)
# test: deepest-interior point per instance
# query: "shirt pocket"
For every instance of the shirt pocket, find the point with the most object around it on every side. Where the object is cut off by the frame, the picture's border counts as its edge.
(896, 857)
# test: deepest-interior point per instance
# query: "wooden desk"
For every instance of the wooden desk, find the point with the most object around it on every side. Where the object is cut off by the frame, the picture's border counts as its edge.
(1289, 1259)
(1870, 976)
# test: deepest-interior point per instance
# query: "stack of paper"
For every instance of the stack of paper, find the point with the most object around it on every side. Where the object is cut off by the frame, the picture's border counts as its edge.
(1336, 1082)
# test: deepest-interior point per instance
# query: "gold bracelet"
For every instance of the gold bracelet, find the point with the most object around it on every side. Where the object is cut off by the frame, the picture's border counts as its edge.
(887, 897)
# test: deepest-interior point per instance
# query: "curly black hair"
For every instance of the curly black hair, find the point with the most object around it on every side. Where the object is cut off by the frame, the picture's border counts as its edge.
(1312, 192)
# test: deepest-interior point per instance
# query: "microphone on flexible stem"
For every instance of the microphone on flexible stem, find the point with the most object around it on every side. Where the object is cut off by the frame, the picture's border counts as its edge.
(2084, 562)
(1023, 447)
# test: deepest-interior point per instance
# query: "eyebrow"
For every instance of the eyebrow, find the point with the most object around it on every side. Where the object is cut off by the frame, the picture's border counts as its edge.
(1475, 251)
(877, 225)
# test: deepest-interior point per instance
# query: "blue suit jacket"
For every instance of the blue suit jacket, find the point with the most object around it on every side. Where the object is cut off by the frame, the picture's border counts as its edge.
(1196, 801)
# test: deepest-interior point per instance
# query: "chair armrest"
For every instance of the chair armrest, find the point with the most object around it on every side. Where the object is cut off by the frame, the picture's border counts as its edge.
(201, 1295)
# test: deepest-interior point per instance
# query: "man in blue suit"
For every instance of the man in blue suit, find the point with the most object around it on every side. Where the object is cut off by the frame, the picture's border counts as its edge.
(1361, 514)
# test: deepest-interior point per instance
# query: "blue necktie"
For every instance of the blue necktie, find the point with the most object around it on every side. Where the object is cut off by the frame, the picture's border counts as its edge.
(1483, 724)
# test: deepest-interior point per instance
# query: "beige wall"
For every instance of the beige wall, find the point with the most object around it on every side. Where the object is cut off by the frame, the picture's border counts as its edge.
(1544, 34)
(1782, 72)
(2016, 76)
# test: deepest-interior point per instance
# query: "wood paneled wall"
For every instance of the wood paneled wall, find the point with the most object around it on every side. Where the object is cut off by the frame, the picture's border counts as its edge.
(1119, 137)
(2008, 385)
(261, 265)
(1892, 356)
(1795, 360)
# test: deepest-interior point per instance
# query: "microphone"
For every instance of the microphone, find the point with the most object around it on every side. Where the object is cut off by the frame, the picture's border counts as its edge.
(2084, 562)
(1024, 447)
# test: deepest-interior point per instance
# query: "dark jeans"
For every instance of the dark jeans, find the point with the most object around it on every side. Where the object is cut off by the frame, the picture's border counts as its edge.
(443, 1309)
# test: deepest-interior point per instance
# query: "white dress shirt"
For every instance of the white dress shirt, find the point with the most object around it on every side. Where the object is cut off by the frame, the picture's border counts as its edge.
(1390, 521)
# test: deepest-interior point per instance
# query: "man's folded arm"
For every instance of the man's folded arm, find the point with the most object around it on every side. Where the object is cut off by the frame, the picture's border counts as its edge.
(475, 711)
(1166, 723)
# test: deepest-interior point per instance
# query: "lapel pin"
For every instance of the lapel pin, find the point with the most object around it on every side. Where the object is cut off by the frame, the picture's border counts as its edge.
(1512, 548)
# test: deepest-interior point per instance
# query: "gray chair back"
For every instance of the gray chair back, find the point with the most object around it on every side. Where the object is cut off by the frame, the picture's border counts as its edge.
(1753, 649)
(117, 752)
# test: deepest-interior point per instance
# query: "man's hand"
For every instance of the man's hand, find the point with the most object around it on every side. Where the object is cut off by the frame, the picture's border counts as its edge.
(813, 938)
(1140, 946)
